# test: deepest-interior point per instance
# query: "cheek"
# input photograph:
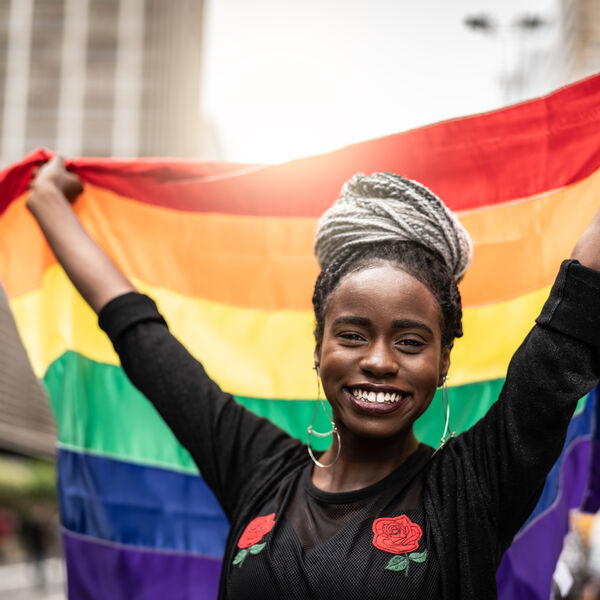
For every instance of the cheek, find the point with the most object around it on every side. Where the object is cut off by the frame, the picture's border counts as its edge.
(333, 365)
(425, 371)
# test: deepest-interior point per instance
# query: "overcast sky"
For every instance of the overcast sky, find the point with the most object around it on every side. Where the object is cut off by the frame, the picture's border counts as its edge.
(289, 78)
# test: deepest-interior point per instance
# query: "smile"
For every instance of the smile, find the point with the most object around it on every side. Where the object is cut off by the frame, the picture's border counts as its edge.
(371, 396)
(375, 403)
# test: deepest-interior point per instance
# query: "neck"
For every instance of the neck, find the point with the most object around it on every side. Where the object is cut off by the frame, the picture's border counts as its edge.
(362, 461)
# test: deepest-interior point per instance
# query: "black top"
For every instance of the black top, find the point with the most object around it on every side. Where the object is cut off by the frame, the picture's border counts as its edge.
(321, 544)
(439, 522)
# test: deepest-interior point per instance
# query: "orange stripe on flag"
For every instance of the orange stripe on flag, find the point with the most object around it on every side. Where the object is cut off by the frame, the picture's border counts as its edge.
(267, 262)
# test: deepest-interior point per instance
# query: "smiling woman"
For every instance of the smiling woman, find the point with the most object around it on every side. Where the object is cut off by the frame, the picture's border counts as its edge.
(387, 310)
(387, 517)
(382, 337)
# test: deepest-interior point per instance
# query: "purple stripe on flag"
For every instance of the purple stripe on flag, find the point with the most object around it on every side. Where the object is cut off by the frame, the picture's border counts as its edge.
(591, 502)
(526, 570)
(98, 570)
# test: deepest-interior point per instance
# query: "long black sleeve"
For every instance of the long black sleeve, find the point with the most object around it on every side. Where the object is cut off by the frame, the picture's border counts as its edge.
(484, 484)
(557, 364)
(225, 440)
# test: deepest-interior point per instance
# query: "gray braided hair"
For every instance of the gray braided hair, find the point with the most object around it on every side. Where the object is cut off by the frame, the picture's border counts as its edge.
(384, 207)
(385, 217)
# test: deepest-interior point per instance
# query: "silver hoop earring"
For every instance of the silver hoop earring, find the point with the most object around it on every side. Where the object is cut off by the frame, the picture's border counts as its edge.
(333, 432)
(446, 409)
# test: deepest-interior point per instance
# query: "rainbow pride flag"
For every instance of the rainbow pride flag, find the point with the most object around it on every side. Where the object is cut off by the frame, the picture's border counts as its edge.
(226, 251)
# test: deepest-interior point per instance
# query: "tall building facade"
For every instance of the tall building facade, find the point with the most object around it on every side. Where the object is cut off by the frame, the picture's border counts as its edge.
(88, 78)
(100, 77)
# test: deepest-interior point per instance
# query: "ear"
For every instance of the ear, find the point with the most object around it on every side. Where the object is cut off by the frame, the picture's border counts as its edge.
(444, 364)
(317, 355)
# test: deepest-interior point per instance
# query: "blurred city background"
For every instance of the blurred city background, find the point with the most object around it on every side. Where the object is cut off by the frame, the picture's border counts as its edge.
(259, 81)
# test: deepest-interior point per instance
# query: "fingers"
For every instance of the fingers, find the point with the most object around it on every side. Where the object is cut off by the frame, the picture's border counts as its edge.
(51, 168)
(55, 173)
(34, 173)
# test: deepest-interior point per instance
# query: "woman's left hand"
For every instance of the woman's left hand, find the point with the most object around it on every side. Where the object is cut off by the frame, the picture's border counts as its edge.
(587, 248)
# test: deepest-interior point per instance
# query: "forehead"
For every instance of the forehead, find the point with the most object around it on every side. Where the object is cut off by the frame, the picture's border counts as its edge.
(384, 293)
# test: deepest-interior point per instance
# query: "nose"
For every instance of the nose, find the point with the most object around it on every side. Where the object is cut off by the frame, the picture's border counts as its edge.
(379, 360)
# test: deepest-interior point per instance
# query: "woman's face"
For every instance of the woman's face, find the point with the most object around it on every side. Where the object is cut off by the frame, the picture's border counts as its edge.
(381, 357)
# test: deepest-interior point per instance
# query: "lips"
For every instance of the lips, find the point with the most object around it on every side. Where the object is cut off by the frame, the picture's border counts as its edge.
(375, 401)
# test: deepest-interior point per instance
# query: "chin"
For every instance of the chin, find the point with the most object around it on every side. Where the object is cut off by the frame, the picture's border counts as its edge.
(377, 431)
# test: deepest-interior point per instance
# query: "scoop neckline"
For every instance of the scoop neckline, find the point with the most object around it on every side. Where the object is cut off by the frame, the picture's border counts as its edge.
(406, 471)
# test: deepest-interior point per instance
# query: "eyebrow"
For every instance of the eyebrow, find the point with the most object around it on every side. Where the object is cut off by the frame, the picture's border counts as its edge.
(396, 324)
(411, 324)
(349, 320)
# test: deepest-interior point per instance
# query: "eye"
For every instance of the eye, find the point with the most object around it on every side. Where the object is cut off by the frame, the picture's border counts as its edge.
(351, 336)
(410, 344)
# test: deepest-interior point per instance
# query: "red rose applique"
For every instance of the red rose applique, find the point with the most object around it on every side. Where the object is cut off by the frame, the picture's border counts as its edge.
(250, 538)
(396, 535)
(399, 536)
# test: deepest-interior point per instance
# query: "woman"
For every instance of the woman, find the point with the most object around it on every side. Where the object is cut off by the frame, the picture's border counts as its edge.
(378, 515)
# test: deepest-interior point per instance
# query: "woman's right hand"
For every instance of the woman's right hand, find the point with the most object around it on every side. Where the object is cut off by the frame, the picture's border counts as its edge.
(53, 175)
(91, 270)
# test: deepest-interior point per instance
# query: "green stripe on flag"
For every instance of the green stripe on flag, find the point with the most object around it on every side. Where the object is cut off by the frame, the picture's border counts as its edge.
(99, 411)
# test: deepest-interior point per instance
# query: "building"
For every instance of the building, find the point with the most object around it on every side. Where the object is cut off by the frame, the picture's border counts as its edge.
(100, 77)
(88, 78)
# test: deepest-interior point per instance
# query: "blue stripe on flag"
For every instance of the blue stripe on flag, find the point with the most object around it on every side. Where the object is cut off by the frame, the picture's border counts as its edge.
(139, 505)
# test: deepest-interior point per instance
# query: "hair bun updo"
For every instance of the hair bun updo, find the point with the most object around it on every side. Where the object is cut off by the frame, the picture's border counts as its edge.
(384, 207)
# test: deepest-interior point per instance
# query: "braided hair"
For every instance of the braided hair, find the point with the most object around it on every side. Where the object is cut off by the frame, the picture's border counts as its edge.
(386, 217)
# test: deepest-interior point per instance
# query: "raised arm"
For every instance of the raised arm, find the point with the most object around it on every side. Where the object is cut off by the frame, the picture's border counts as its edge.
(514, 446)
(219, 433)
(90, 269)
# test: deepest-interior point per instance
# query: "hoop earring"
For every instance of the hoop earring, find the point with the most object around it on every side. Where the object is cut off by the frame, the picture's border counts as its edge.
(446, 409)
(332, 432)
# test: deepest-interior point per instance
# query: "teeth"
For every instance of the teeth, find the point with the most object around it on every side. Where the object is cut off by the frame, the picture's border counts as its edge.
(379, 397)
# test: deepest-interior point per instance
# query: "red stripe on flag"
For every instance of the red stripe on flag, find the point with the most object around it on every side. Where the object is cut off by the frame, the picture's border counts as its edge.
(516, 152)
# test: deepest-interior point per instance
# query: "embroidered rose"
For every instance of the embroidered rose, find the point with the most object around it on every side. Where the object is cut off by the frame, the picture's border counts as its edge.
(252, 535)
(255, 530)
(396, 535)
(399, 536)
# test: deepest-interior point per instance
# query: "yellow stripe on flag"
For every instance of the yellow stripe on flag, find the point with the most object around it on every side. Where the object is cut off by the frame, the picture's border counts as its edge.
(265, 354)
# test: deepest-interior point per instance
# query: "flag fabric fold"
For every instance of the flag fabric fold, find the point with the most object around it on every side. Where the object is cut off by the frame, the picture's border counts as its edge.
(226, 251)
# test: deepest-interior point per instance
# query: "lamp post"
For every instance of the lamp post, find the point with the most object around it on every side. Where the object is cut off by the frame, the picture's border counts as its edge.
(519, 62)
